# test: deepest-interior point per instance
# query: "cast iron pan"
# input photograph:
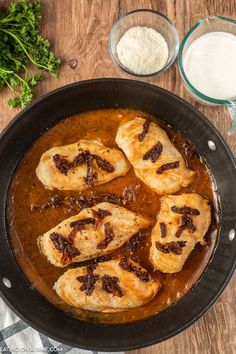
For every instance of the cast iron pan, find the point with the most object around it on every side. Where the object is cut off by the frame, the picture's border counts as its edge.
(33, 308)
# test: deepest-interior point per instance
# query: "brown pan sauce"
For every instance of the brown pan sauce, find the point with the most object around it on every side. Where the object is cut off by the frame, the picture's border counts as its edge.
(29, 215)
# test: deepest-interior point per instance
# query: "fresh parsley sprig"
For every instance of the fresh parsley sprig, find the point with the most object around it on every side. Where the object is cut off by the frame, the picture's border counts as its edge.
(21, 45)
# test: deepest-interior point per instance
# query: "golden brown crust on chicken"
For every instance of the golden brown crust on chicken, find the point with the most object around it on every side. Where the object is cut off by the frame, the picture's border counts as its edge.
(182, 222)
(155, 159)
(109, 288)
(91, 233)
(66, 167)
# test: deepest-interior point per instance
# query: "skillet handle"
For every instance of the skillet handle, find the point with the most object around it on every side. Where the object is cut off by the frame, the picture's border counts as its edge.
(232, 113)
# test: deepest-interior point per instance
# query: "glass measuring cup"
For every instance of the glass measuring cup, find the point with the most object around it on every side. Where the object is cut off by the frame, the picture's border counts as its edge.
(203, 26)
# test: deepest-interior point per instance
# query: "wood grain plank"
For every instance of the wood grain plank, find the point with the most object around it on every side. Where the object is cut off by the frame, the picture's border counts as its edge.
(214, 333)
(79, 29)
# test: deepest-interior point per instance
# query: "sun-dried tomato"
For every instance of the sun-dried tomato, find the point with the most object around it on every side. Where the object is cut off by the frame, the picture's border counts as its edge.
(130, 267)
(154, 153)
(167, 166)
(146, 125)
(110, 285)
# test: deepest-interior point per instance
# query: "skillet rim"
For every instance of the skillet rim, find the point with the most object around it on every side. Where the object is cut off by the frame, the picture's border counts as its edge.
(38, 100)
(183, 103)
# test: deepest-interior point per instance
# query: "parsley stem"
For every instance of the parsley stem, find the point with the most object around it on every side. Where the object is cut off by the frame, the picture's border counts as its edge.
(6, 71)
(7, 83)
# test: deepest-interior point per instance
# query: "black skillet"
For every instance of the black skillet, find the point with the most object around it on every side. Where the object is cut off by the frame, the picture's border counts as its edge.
(33, 308)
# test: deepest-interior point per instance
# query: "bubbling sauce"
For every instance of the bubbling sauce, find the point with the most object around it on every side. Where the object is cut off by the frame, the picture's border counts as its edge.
(29, 214)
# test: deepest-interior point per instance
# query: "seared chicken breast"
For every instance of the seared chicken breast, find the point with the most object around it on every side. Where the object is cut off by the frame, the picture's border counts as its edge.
(155, 159)
(182, 222)
(111, 286)
(91, 233)
(80, 165)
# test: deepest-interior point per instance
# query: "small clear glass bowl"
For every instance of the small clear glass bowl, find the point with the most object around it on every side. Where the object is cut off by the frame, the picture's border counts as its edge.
(144, 18)
(203, 26)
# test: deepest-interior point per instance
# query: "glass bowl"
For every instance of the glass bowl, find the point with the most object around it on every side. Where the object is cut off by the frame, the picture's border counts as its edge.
(147, 18)
(203, 26)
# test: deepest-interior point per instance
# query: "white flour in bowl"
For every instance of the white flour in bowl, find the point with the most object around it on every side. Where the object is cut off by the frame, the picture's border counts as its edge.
(143, 50)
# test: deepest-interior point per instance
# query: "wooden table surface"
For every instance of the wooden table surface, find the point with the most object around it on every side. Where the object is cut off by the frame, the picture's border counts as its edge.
(79, 29)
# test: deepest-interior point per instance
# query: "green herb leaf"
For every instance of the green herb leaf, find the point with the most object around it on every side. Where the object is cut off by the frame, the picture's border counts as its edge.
(21, 45)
